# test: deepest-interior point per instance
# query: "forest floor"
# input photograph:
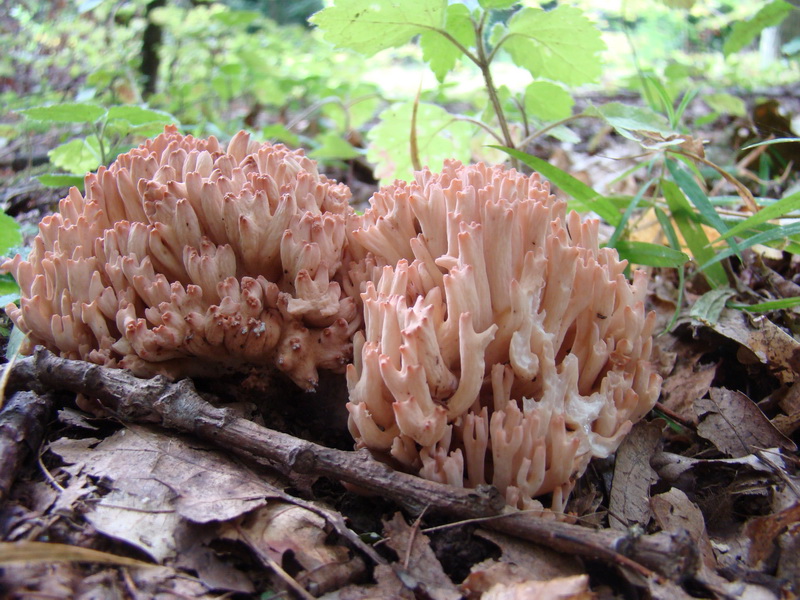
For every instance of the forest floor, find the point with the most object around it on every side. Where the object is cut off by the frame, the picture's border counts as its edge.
(702, 500)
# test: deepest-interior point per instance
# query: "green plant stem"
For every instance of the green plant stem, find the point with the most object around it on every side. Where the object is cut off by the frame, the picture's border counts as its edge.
(483, 65)
(480, 124)
(547, 128)
(100, 132)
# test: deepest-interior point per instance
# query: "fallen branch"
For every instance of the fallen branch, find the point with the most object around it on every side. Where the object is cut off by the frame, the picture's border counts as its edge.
(177, 405)
(22, 426)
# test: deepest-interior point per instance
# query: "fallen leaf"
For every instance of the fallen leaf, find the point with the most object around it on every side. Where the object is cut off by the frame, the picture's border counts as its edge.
(388, 587)
(207, 485)
(674, 512)
(575, 587)
(689, 380)
(282, 531)
(145, 518)
(516, 563)
(764, 531)
(735, 424)
(630, 489)
(789, 560)
(419, 563)
(768, 342)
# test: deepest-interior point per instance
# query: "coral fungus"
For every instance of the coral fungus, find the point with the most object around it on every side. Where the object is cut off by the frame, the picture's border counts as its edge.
(185, 257)
(501, 344)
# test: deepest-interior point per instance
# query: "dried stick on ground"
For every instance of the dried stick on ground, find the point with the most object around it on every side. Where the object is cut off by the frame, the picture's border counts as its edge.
(22, 426)
(179, 406)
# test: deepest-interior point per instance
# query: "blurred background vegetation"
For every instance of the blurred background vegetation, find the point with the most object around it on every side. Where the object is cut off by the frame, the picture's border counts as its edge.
(220, 66)
(656, 136)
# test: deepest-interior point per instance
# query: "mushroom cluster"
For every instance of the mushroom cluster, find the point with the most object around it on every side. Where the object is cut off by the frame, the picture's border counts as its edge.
(184, 257)
(501, 344)
(486, 336)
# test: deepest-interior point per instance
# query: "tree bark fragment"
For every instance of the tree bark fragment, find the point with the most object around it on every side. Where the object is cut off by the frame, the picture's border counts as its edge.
(22, 427)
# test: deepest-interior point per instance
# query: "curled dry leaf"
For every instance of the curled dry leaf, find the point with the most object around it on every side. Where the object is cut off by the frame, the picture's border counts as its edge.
(768, 342)
(280, 531)
(736, 426)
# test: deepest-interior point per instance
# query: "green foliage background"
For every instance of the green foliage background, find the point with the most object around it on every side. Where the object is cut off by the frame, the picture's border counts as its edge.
(393, 85)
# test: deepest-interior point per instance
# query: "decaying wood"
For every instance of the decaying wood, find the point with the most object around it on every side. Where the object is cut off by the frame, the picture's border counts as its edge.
(22, 426)
(177, 405)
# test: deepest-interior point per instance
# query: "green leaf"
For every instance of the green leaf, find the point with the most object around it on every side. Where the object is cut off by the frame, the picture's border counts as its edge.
(769, 305)
(765, 237)
(10, 235)
(652, 255)
(55, 180)
(699, 199)
(708, 307)
(692, 232)
(744, 32)
(333, 147)
(625, 118)
(369, 26)
(727, 104)
(793, 140)
(69, 112)
(497, 4)
(562, 44)
(9, 290)
(14, 342)
(77, 156)
(612, 241)
(439, 136)
(773, 211)
(440, 52)
(586, 199)
(279, 133)
(679, 4)
(136, 115)
(236, 18)
(548, 101)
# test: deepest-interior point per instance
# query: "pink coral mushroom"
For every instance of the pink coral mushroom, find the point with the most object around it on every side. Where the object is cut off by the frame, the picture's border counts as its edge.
(501, 344)
(184, 257)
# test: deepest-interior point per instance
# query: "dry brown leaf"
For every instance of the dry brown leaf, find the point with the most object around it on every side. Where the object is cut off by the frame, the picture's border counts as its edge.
(281, 530)
(768, 342)
(789, 402)
(763, 533)
(633, 476)
(735, 424)
(145, 518)
(419, 563)
(789, 561)
(575, 587)
(515, 565)
(689, 381)
(388, 587)
(207, 485)
(674, 512)
(683, 472)
(160, 485)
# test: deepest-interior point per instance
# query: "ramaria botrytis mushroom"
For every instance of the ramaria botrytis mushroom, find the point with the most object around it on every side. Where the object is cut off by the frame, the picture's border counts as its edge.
(185, 257)
(501, 344)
